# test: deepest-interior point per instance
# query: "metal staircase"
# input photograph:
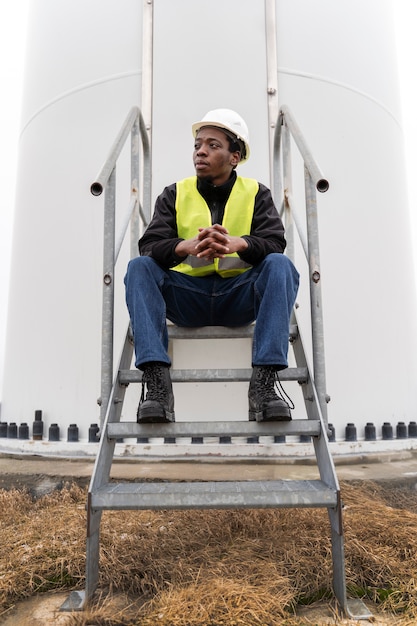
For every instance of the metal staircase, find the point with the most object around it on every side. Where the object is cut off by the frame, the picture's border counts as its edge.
(324, 492)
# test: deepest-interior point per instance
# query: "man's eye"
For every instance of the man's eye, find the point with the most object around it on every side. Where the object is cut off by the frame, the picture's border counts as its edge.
(214, 145)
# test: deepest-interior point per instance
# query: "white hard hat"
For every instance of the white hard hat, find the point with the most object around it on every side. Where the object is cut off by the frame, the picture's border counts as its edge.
(227, 120)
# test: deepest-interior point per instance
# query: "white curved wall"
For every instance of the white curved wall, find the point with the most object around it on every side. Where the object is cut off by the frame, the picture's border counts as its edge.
(344, 94)
(82, 76)
(336, 71)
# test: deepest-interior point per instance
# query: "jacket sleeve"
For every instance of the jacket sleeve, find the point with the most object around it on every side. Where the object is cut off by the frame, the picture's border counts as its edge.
(161, 236)
(267, 230)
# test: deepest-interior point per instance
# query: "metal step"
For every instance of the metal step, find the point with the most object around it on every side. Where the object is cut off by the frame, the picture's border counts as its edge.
(297, 427)
(299, 374)
(210, 332)
(218, 332)
(214, 495)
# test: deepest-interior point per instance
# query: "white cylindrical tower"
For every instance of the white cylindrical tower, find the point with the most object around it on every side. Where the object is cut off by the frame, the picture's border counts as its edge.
(82, 76)
(84, 73)
(338, 73)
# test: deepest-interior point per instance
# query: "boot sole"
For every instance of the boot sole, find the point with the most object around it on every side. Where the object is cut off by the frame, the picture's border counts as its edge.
(259, 416)
(152, 418)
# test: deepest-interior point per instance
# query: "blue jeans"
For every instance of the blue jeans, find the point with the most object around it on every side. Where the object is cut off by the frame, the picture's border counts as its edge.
(265, 293)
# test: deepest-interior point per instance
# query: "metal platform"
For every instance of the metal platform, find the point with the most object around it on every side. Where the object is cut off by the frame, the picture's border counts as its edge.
(215, 495)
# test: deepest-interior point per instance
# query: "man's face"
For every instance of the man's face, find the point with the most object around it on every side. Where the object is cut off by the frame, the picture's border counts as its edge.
(212, 159)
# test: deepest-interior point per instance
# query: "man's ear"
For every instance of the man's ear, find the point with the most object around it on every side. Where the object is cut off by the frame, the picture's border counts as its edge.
(235, 158)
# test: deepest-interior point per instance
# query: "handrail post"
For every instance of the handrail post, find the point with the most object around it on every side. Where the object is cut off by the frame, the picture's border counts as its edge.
(146, 170)
(272, 77)
(277, 151)
(108, 294)
(315, 292)
(134, 184)
(287, 190)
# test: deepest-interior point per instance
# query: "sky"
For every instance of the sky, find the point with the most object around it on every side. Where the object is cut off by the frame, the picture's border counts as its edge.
(13, 22)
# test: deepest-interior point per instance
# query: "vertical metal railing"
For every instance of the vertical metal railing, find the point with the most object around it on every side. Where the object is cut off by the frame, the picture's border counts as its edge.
(314, 181)
(137, 210)
(272, 75)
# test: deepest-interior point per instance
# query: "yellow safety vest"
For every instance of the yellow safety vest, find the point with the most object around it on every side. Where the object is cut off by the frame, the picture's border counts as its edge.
(193, 212)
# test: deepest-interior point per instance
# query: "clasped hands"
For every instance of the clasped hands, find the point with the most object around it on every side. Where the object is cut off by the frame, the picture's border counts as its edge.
(211, 243)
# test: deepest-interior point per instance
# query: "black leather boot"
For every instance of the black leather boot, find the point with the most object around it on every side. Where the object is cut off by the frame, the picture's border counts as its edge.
(158, 406)
(264, 403)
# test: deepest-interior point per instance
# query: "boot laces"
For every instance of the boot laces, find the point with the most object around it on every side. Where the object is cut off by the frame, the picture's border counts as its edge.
(270, 386)
(155, 383)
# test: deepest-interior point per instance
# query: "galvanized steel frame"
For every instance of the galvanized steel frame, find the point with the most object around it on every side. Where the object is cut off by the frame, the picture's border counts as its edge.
(282, 129)
(133, 126)
(286, 130)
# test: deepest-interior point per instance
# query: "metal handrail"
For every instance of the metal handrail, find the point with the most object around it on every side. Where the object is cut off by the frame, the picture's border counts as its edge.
(285, 129)
(134, 127)
(285, 117)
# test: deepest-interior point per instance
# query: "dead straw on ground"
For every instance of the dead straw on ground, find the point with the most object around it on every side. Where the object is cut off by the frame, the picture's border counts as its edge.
(202, 568)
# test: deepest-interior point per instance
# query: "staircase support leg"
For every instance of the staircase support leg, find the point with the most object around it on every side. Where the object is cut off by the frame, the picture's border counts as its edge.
(78, 600)
(338, 556)
(352, 608)
(93, 552)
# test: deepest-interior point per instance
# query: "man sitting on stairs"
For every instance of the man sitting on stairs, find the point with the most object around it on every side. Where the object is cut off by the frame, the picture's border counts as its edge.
(213, 255)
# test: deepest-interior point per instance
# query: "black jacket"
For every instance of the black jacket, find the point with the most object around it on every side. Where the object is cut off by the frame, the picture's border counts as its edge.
(161, 236)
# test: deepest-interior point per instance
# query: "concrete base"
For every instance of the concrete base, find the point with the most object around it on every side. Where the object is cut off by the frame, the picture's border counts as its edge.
(266, 449)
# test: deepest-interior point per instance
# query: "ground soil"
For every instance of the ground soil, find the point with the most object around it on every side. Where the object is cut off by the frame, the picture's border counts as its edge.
(44, 609)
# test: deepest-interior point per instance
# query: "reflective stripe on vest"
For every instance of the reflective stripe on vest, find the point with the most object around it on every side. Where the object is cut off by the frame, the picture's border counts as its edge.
(193, 213)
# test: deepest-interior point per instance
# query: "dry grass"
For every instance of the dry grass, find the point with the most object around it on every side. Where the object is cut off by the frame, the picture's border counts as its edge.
(205, 568)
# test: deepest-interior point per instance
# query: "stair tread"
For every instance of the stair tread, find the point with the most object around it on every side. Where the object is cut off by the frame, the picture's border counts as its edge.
(210, 332)
(299, 374)
(214, 494)
(214, 429)
(217, 332)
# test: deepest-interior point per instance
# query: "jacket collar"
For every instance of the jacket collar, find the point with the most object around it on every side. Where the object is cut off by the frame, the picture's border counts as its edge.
(212, 192)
